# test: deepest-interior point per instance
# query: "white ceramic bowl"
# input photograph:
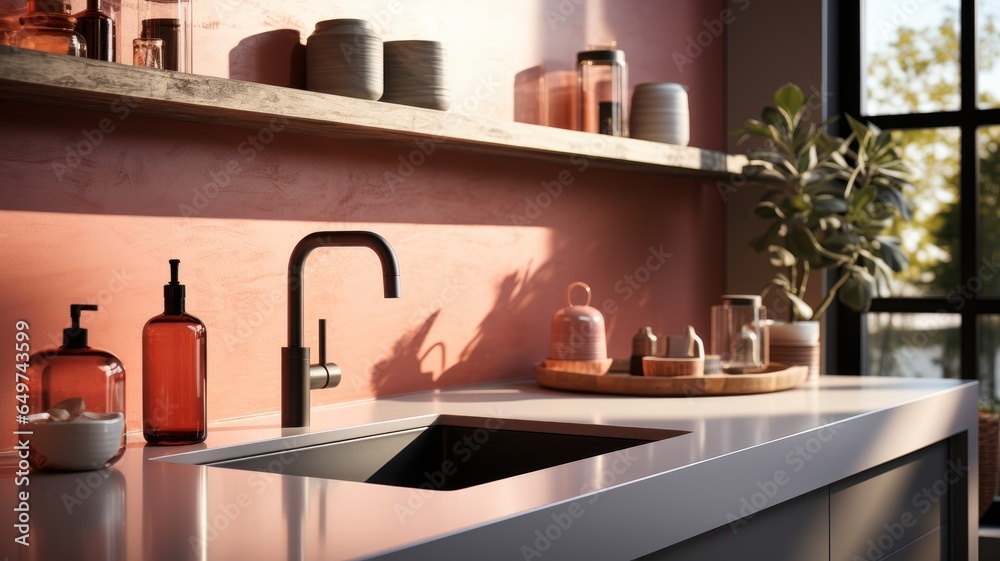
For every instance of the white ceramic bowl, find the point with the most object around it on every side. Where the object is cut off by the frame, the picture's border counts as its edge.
(91, 441)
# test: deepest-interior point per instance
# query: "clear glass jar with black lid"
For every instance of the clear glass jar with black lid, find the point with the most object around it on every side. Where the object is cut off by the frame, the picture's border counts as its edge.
(48, 26)
(603, 101)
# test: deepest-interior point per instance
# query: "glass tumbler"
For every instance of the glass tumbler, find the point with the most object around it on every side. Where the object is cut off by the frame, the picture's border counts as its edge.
(738, 333)
(147, 53)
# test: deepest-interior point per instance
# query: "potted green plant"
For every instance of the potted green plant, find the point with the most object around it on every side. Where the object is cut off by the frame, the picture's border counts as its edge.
(830, 203)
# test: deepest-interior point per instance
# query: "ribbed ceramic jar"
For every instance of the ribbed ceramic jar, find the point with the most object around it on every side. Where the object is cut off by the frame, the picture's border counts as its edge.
(578, 331)
(660, 113)
(414, 74)
(345, 57)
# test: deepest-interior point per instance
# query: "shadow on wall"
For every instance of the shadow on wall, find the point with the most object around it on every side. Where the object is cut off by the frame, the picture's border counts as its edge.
(516, 321)
(276, 57)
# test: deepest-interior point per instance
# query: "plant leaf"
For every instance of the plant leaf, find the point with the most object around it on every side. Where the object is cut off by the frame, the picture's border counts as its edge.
(789, 97)
(856, 294)
(828, 204)
(760, 244)
(861, 198)
(893, 197)
(781, 257)
(768, 210)
(895, 258)
(802, 309)
(802, 244)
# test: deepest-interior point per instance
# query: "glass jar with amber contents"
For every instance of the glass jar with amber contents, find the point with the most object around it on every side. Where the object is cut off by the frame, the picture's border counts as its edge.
(48, 26)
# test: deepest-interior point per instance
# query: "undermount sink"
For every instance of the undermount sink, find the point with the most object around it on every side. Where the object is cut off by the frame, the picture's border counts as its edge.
(445, 452)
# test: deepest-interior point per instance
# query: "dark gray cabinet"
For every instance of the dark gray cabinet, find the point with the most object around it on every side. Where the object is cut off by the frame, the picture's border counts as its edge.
(931, 546)
(798, 530)
(879, 511)
(910, 509)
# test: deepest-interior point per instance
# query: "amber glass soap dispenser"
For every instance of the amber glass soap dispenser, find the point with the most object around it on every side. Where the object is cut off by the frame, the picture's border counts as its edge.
(173, 371)
(77, 371)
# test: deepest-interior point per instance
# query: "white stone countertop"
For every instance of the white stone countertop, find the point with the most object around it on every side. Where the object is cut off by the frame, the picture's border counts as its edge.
(614, 506)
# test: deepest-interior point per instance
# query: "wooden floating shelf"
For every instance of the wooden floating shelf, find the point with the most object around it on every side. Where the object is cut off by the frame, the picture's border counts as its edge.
(37, 77)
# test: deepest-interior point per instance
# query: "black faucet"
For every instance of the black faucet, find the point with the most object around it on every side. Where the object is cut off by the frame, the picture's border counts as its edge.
(298, 376)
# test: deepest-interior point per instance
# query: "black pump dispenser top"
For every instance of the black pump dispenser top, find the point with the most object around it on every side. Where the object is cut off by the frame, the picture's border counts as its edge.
(173, 293)
(75, 337)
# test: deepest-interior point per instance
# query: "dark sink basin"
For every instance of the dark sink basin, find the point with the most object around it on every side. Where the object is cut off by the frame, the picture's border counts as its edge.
(451, 452)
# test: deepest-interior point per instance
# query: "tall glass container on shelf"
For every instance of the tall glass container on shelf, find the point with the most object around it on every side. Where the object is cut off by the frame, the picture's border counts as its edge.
(170, 21)
(98, 27)
(603, 99)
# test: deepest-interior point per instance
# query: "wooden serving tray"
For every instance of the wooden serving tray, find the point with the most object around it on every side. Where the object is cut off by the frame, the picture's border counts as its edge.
(776, 377)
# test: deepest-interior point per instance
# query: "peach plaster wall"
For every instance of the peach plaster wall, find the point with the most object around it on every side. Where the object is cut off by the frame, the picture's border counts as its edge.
(478, 289)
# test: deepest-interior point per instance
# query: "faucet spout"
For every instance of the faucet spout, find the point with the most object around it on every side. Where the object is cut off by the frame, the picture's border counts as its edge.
(295, 362)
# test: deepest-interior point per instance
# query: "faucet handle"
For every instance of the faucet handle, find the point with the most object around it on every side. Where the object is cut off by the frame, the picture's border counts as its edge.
(322, 341)
(323, 375)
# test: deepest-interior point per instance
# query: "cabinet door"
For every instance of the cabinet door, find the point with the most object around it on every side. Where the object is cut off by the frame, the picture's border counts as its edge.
(795, 530)
(931, 546)
(879, 511)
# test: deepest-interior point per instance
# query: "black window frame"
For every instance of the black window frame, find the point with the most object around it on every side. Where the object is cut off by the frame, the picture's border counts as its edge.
(847, 330)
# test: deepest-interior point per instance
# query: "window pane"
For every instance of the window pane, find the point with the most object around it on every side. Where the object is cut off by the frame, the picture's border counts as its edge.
(910, 56)
(931, 238)
(989, 356)
(989, 53)
(913, 345)
(989, 211)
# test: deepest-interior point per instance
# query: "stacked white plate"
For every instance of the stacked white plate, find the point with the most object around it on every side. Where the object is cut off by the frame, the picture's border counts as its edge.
(414, 74)
(660, 113)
